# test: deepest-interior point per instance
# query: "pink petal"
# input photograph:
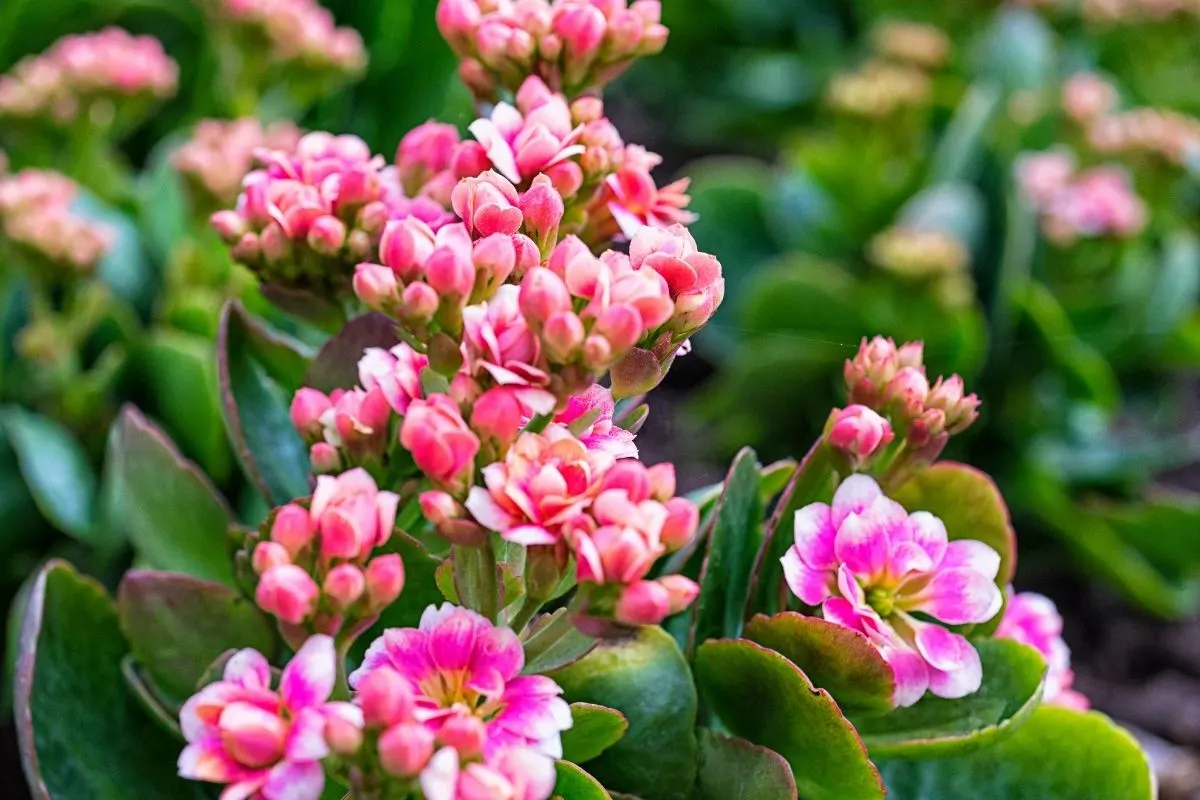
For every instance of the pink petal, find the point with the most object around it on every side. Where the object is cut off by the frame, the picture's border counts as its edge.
(863, 545)
(815, 534)
(529, 535)
(930, 533)
(440, 776)
(291, 780)
(855, 494)
(955, 669)
(842, 612)
(960, 596)
(810, 585)
(206, 760)
(327, 489)
(248, 668)
(908, 557)
(910, 674)
(306, 739)
(498, 150)
(242, 790)
(851, 590)
(499, 649)
(452, 642)
(308, 678)
(972, 555)
(487, 512)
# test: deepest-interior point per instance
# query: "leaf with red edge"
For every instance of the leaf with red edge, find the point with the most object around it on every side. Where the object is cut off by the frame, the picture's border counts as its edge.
(840, 661)
(761, 696)
(732, 767)
(336, 365)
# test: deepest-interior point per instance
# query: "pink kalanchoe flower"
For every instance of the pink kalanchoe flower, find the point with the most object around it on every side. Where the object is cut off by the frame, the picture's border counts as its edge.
(396, 372)
(694, 278)
(498, 343)
(37, 218)
(441, 443)
(1099, 202)
(351, 515)
(1032, 620)
(522, 142)
(263, 742)
(460, 680)
(590, 417)
(635, 201)
(301, 34)
(511, 774)
(221, 153)
(859, 432)
(1042, 176)
(870, 565)
(424, 160)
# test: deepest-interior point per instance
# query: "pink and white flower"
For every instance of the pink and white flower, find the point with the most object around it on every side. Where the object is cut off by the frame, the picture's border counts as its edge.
(265, 743)
(870, 565)
(522, 142)
(396, 373)
(590, 417)
(693, 278)
(1032, 620)
(441, 443)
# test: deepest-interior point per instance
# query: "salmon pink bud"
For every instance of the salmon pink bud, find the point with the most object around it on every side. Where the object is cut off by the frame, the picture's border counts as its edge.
(267, 555)
(566, 177)
(470, 159)
(870, 370)
(442, 445)
(449, 275)
(497, 415)
(353, 517)
(543, 294)
(419, 302)
(229, 225)
(597, 353)
(683, 517)
(581, 29)
(439, 507)
(911, 354)
(859, 432)
(466, 734)
(344, 584)
(683, 591)
(908, 389)
(543, 209)
(405, 749)
(487, 204)
(527, 254)
(375, 285)
(405, 246)
(385, 698)
(662, 481)
(385, 580)
(457, 20)
(643, 603)
(308, 405)
(621, 326)
(274, 243)
(630, 476)
(343, 735)
(293, 528)
(495, 257)
(424, 152)
(929, 424)
(327, 235)
(324, 458)
(960, 411)
(625, 31)
(288, 592)
(563, 336)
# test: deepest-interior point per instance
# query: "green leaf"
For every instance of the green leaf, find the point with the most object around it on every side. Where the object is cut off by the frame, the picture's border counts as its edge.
(260, 369)
(970, 505)
(962, 146)
(761, 696)
(420, 590)
(731, 767)
(594, 729)
(553, 642)
(1018, 51)
(336, 365)
(1057, 755)
(82, 734)
(575, 784)
(164, 712)
(935, 726)
(1163, 528)
(56, 470)
(1177, 285)
(645, 678)
(732, 547)
(173, 515)
(162, 206)
(176, 625)
(840, 661)
(124, 268)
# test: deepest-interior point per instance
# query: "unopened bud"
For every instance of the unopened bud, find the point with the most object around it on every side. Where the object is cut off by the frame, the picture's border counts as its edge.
(542, 295)
(229, 225)
(662, 481)
(375, 285)
(643, 603)
(419, 302)
(288, 592)
(267, 555)
(342, 735)
(385, 580)
(465, 733)
(385, 698)
(405, 749)
(344, 584)
(563, 335)
(683, 517)
(859, 432)
(682, 591)
(308, 405)
(324, 458)
(327, 235)
(293, 528)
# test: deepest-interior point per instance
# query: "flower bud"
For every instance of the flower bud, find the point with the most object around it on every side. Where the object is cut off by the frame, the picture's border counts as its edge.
(344, 584)
(229, 225)
(947, 396)
(405, 246)
(288, 592)
(597, 353)
(543, 209)
(563, 335)
(581, 28)
(543, 294)
(324, 458)
(497, 415)
(385, 698)
(683, 591)
(683, 517)
(247, 250)
(343, 736)
(528, 255)
(419, 302)
(292, 528)
(643, 603)
(405, 749)
(621, 325)
(495, 257)
(267, 555)
(450, 519)
(907, 390)
(327, 235)
(662, 481)
(465, 733)
(449, 275)
(308, 405)
(376, 285)
(859, 432)
(384, 580)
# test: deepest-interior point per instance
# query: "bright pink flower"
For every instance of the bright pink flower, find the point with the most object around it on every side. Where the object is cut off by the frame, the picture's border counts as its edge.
(221, 152)
(1041, 176)
(522, 143)
(694, 278)
(425, 152)
(487, 204)
(859, 432)
(1099, 202)
(1032, 620)
(636, 201)
(870, 564)
(351, 515)
(590, 417)
(264, 743)
(442, 444)
(396, 373)
(285, 590)
(498, 342)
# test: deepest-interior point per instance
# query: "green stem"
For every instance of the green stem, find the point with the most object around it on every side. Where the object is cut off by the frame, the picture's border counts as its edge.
(341, 685)
(529, 607)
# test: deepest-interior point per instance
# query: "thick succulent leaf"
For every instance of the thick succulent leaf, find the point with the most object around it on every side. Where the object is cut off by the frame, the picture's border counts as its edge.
(732, 546)
(645, 678)
(170, 511)
(731, 767)
(1057, 755)
(553, 642)
(56, 471)
(840, 661)
(970, 505)
(420, 590)
(761, 696)
(83, 735)
(336, 365)
(176, 625)
(124, 268)
(936, 727)
(259, 370)
(164, 712)
(594, 729)
(575, 784)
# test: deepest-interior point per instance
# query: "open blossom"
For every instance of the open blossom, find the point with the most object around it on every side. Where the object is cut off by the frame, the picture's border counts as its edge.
(589, 416)
(522, 142)
(870, 565)
(221, 153)
(263, 742)
(1032, 620)
(456, 712)
(1098, 202)
(441, 443)
(636, 201)
(36, 216)
(693, 278)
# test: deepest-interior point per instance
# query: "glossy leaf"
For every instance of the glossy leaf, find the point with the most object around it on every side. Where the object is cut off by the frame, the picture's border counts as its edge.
(731, 767)
(77, 721)
(1057, 755)
(761, 696)
(172, 514)
(841, 661)
(969, 504)
(176, 625)
(594, 729)
(336, 365)
(259, 371)
(935, 727)
(575, 784)
(56, 470)
(164, 712)
(553, 642)
(645, 678)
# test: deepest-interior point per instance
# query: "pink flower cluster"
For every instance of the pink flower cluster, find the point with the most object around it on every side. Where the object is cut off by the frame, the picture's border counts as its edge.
(298, 33)
(221, 153)
(616, 517)
(263, 742)
(870, 565)
(36, 216)
(1093, 203)
(447, 707)
(1032, 620)
(317, 571)
(573, 45)
(62, 84)
(892, 381)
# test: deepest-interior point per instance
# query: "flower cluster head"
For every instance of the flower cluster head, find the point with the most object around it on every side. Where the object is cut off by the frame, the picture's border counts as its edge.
(892, 381)
(221, 153)
(1164, 133)
(89, 76)
(936, 257)
(317, 569)
(447, 710)
(264, 742)
(1094, 203)
(871, 566)
(1087, 97)
(879, 89)
(573, 45)
(36, 217)
(297, 34)
(1032, 620)
(923, 46)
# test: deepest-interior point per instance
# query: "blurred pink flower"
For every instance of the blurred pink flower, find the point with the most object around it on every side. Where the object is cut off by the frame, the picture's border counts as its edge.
(1032, 620)
(590, 417)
